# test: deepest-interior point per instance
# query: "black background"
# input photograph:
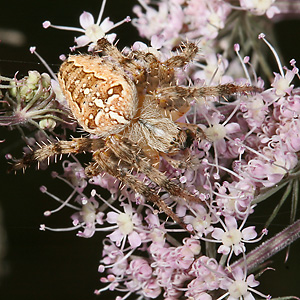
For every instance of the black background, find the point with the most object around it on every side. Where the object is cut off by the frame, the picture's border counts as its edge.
(47, 265)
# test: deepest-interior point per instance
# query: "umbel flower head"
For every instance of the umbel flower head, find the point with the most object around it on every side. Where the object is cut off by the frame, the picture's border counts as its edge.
(30, 101)
(243, 149)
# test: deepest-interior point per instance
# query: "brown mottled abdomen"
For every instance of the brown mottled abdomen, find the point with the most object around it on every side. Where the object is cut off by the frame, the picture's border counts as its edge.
(102, 98)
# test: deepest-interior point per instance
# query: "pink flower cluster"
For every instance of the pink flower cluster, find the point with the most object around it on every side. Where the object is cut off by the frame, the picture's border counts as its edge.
(252, 143)
(178, 20)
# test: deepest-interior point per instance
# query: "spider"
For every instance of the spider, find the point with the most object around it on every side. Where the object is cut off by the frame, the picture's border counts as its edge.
(130, 104)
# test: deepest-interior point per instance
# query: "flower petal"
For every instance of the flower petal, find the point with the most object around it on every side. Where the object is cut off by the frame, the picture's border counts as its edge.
(112, 217)
(116, 236)
(111, 37)
(134, 239)
(251, 281)
(106, 25)
(231, 222)
(249, 233)
(217, 233)
(86, 19)
(82, 40)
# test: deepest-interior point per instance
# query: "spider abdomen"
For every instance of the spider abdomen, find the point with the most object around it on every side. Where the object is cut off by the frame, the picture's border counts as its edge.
(102, 98)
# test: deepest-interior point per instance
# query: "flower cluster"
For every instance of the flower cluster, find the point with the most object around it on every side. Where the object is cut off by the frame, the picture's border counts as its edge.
(174, 21)
(30, 101)
(251, 148)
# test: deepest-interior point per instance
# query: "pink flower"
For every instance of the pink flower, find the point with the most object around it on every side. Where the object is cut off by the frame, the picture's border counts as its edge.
(114, 258)
(92, 31)
(241, 287)
(89, 216)
(74, 172)
(258, 7)
(233, 238)
(140, 269)
(235, 198)
(151, 289)
(272, 171)
(126, 223)
(255, 110)
(218, 132)
(213, 70)
(201, 220)
(205, 18)
(289, 132)
(282, 84)
(208, 277)
(166, 22)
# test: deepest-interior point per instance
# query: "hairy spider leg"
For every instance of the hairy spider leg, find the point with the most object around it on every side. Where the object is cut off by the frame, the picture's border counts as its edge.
(134, 156)
(129, 64)
(76, 145)
(108, 162)
(116, 157)
(175, 94)
(163, 72)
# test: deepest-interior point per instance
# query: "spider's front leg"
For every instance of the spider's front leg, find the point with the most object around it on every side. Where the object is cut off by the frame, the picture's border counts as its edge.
(128, 63)
(108, 162)
(174, 106)
(135, 157)
(179, 96)
(175, 100)
(76, 145)
(146, 65)
(188, 53)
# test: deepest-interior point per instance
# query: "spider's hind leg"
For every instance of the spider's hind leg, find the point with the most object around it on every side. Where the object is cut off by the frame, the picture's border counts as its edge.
(108, 162)
(135, 157)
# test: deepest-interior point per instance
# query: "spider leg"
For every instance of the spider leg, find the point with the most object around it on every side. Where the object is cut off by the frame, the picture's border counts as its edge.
(76, 145)
(144, 65)
(165, 71)
(108, 162)
(141, 65)
(183, 163)
(127, 62)
(103, 45)
(174, 94)
(175, 100)
(193, 132)
(134, 156)
(172, 107)
(187, 54)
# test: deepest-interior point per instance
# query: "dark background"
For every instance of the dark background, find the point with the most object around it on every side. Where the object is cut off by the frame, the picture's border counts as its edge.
(45, 265)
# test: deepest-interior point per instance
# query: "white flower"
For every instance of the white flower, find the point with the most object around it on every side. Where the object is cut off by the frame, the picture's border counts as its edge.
(233, 238)
(92, 31)
(260, 7)
(126, 226)
(241, 287)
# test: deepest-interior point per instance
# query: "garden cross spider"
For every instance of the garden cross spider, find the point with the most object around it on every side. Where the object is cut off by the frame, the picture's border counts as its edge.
(130, 104)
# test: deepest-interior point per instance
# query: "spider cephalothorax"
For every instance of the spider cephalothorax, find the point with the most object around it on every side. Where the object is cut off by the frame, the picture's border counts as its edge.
(130, 104)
